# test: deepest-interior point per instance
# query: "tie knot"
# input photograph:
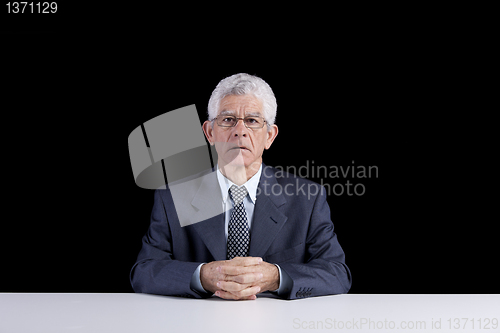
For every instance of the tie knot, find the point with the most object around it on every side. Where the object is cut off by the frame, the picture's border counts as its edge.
(238, 193)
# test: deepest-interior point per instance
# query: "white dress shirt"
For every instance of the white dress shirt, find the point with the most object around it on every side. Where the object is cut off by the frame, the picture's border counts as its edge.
(227, 206)
(249, 201)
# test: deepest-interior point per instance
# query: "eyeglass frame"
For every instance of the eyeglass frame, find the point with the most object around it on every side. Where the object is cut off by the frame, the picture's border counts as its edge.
(243, 119)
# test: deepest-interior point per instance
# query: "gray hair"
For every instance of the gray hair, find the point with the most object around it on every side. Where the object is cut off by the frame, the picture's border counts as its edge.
(244, 84)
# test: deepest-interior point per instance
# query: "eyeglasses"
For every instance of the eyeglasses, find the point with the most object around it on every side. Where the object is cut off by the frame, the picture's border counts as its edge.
(252, 122)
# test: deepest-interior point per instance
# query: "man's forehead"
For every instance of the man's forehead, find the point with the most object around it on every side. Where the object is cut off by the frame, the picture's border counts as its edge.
(237, 102)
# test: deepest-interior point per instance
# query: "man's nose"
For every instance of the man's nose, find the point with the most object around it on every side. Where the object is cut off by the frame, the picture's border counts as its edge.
(240, 129)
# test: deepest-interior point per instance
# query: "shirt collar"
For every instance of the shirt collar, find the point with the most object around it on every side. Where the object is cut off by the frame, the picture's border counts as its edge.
(251, 184)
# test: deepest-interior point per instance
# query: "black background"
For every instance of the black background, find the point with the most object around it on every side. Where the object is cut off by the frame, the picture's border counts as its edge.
(377, 92)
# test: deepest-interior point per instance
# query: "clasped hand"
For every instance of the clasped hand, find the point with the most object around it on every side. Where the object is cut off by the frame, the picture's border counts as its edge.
(239, 278)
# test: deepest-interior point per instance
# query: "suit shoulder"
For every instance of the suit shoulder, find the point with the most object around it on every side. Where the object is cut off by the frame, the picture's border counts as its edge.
(191, 181)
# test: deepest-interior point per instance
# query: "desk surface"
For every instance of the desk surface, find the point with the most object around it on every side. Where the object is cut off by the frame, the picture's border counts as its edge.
(140, 313)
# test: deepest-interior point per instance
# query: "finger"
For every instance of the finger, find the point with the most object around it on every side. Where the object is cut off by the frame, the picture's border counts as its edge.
(247, 292)
(231, 286)
(237, 291)
(248, 278)
(238, 270)
(228, 295)
(245, 261)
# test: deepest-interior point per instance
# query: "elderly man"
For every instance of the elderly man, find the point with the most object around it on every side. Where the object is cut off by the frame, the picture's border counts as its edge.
(271, 234)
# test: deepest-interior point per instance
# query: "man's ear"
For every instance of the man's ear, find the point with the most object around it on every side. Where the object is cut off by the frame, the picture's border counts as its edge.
(208, 130)
(271, 135)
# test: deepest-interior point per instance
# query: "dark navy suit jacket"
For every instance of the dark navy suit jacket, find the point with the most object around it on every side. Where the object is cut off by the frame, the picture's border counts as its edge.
(291, 227)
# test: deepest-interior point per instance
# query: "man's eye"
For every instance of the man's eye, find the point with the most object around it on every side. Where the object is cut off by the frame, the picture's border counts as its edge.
(252, 121)
(228, 119)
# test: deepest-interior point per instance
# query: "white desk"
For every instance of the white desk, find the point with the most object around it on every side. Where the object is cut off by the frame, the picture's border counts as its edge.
(140, 313)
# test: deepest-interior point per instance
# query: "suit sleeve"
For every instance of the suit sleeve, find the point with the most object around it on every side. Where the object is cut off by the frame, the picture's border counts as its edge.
(155, 271)
(325, 271)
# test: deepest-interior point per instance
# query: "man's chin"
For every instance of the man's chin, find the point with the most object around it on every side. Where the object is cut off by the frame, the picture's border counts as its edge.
(238, 162)
(236, 157)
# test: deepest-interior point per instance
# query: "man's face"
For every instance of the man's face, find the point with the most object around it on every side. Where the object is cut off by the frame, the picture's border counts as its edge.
(240, 146)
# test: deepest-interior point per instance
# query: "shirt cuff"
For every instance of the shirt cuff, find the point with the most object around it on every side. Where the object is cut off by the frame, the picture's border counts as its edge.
(196, 281)
(285, 283)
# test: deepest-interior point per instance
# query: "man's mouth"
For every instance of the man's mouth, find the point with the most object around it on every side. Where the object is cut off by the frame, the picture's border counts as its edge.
(240, 148)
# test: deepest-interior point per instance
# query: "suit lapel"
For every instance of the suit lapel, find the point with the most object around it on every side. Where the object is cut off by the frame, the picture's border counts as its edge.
(267, 221)
(210, 226)
(211, 231)
(268, 218)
